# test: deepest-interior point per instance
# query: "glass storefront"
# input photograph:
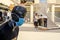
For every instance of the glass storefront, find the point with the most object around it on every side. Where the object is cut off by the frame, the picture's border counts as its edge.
(57, 14)
(27, 17)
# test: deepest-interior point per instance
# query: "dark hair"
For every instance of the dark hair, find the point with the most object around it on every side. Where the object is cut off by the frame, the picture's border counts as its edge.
(41, 15)
(36, 13)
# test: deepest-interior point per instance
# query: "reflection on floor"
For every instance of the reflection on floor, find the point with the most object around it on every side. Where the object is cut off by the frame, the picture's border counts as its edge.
(32, 29)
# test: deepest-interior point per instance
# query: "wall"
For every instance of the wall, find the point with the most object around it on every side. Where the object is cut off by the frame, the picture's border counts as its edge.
(51, 1)
(58, 1)
(6, 2)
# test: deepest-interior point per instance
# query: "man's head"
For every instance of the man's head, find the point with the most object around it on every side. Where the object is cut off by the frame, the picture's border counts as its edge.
(18, 14)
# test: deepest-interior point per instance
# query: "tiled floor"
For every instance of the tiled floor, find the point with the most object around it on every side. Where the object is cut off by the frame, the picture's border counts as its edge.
(28, 32)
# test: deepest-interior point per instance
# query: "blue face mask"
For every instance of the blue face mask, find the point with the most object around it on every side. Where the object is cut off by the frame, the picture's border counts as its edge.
(21, 21)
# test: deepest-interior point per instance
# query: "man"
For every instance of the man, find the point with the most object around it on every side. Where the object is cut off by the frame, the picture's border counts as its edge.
(9, 29)
(45, 21)
(36, 21)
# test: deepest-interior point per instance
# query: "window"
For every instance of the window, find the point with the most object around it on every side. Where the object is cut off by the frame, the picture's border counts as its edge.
(24, 1)
(57, 14)
(43, 1)
(30, 1)
(27, 17)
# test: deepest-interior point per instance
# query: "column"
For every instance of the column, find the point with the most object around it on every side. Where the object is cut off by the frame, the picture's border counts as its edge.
(20, 1)
(53, 12)
(47, 10)
(31, 14)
